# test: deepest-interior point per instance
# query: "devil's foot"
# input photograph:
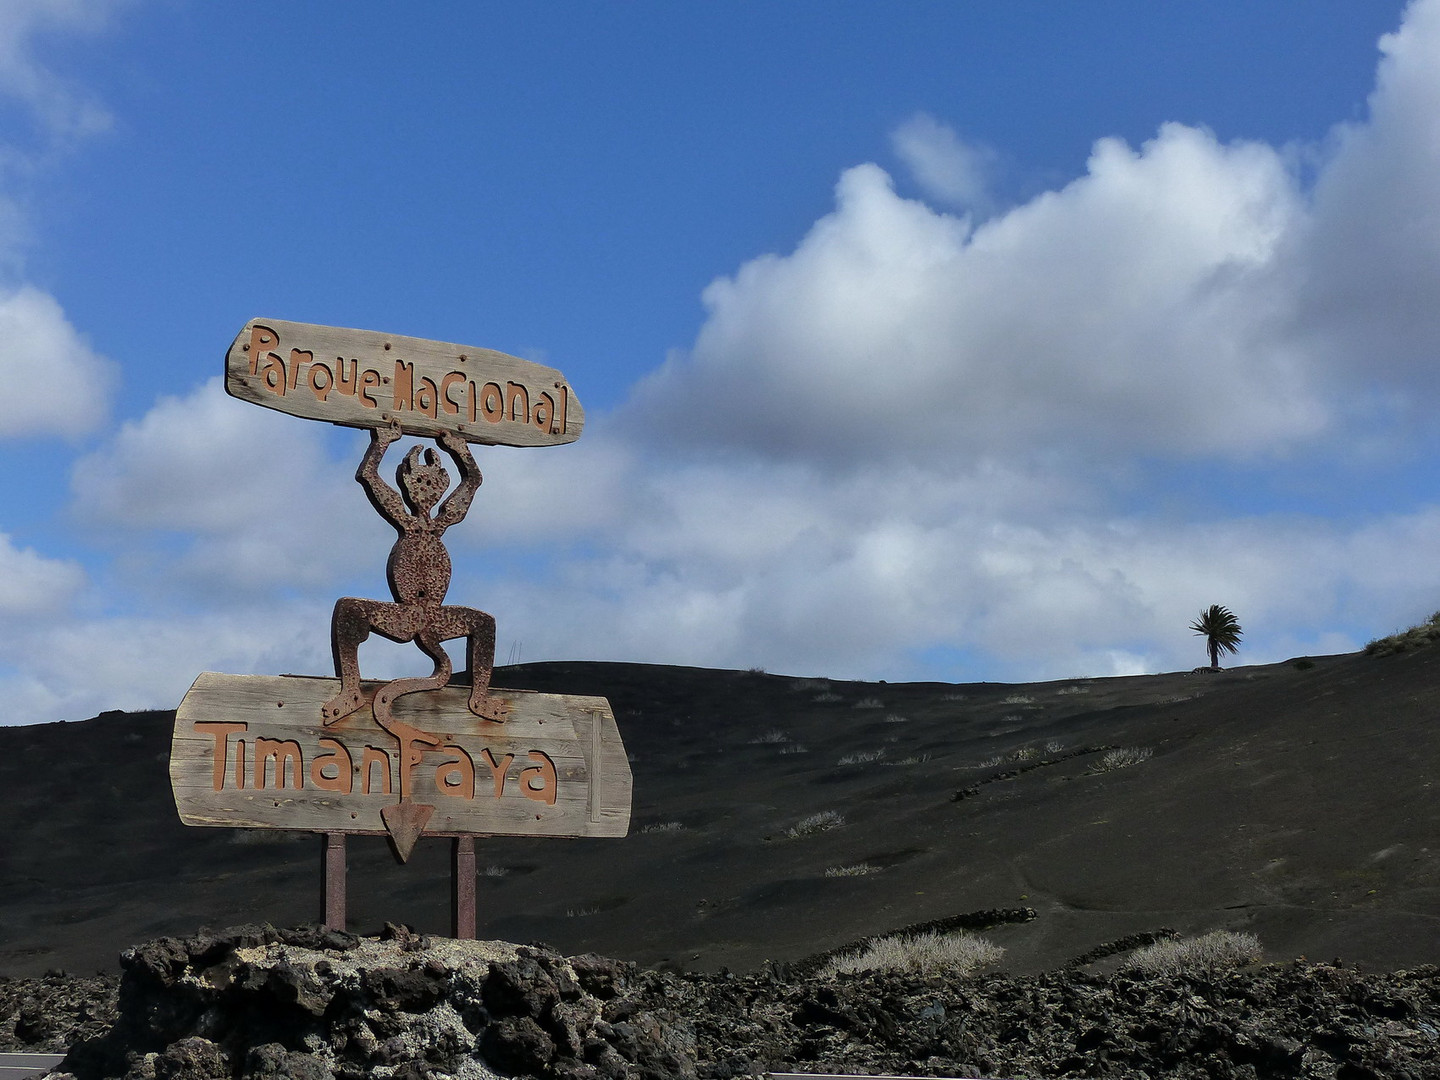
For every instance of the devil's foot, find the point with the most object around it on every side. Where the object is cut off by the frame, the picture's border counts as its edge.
(488, 707)
(342, 704)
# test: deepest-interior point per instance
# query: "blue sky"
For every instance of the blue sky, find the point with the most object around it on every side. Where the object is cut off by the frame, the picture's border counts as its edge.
(927, 340)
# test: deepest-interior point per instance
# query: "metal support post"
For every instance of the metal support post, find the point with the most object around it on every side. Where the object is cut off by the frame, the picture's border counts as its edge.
(334, 871)
(464, 909)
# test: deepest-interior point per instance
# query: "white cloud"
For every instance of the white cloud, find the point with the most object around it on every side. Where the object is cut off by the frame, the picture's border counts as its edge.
(65, 111)
(1370, 255)
(66, 385)
(262, 504)
(132, 662)
(1135, 310)
(33, 586)
(946, 167)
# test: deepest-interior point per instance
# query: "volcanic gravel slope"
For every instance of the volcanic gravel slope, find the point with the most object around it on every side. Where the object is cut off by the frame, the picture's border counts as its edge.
(1294, 801)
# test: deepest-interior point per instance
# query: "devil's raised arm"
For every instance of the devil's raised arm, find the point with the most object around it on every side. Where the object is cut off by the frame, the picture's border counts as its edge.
(382, 496)
(457, 505)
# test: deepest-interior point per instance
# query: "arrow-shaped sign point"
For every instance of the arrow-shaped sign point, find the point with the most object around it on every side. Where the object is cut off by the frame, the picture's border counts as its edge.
(405, 822)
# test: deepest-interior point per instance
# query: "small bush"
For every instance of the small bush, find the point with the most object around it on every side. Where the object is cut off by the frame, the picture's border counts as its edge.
(1123, 758)
(857, 870)
(773, 737)
(862, 757)
(1073, 690)
(824, 821)
(1025, 753)
(495, 871)
(1054, 747)
(794, 748)
(991, 763)
(869, 703)
(958, 955)
(952, 697)
(1204, 954)
(1416, 637)
(826, 697)
(1016, 699)
(663, 826)
(913, 759)
(896, 718)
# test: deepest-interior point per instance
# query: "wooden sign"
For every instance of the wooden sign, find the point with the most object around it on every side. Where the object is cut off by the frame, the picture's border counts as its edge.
(362, 378)
(252, 751)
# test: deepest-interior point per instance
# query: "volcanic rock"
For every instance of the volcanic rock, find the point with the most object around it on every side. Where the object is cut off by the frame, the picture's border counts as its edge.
(257, 1003)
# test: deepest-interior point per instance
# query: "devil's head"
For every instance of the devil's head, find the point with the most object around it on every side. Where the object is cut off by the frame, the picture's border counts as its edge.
(422, 480)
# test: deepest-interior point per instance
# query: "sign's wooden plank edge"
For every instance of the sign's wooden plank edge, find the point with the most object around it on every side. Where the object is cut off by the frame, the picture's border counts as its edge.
(285, 709)
(531, 404)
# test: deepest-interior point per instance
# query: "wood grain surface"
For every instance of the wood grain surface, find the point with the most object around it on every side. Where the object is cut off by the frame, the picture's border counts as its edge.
(363, 378)
(251, 751)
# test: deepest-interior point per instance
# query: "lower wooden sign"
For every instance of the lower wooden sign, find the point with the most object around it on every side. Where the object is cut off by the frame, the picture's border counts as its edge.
(251, 751)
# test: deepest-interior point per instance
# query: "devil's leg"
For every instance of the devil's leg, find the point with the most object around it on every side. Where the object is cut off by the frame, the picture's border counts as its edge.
(349, 626)
(481, 635)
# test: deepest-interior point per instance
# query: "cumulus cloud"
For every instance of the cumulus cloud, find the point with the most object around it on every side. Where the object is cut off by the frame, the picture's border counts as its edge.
(69, 384)
(33, 586)
(260, 502)
(1370, 252)
(87, 665)
(1133, 311)
(946, 167)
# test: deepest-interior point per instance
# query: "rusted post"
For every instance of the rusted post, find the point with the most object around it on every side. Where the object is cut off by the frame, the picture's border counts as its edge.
(464, 909)
(334, 870)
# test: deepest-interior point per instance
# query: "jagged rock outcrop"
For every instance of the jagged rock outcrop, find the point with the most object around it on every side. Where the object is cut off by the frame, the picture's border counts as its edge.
(257, 1003)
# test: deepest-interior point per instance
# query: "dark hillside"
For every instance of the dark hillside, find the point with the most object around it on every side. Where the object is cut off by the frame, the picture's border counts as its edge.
(1293, 800)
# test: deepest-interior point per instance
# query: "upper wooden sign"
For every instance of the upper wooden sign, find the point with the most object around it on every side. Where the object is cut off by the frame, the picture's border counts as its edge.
(363, 378)
(253, 751)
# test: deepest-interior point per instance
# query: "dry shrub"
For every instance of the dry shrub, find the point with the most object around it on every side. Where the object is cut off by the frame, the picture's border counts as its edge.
(824, 821)
(958, 955)
(1204, 954)
(854, 870)
(862, 757)
(1425, 633)
(1123, 758)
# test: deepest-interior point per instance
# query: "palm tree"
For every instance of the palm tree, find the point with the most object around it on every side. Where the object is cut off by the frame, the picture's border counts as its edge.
(1221, 631)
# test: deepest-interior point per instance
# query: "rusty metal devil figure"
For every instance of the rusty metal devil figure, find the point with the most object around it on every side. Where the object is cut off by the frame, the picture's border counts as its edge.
(419, 574)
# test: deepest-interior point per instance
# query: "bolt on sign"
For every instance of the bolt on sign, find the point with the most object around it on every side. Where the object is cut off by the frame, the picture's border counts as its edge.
(411, 756)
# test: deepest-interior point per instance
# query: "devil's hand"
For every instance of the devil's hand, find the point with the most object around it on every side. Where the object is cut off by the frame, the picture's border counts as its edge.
(387, 434)
(453, 442)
